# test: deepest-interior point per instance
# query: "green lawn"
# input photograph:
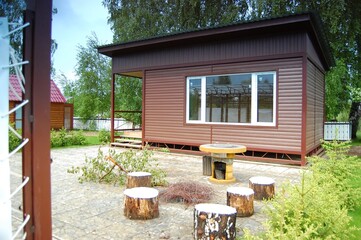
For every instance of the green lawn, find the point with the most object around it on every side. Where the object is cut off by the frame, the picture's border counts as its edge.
(92, 140)
(356, 213)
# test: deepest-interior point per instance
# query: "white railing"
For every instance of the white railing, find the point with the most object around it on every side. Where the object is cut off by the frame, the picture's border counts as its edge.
(100, 124)
(337, 131)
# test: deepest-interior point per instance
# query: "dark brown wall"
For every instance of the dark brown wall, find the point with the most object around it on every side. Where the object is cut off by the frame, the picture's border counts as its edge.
(315, 106)
(242, 47)
(165, 108)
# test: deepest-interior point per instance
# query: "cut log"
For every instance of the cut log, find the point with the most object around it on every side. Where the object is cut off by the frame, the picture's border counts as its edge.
(141, 203)
(139, 179)
(263, 187)
(241, 198)
(214, 221)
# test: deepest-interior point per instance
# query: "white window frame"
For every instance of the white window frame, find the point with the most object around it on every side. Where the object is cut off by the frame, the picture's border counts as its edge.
(254, 100)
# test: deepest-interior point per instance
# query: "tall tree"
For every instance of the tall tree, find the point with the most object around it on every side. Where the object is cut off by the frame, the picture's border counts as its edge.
(128, 93)
(13, 10)
(93, 87)
(139, 19)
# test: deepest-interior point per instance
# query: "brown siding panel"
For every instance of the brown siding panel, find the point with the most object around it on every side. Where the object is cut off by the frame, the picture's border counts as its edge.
(165, 108)
(12, 116)
(312, 53)
(56, 115)
(315, 101)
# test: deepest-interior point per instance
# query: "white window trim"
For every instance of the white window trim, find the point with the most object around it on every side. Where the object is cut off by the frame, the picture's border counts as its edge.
(254, 101)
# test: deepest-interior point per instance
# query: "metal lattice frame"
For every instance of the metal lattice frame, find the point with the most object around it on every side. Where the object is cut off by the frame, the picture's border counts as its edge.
(8, 53)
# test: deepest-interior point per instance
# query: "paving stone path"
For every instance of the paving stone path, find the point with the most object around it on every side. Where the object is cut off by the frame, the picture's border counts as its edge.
(95, 211)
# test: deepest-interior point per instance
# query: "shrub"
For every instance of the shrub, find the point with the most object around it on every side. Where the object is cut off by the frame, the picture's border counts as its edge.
(62, 138)
(99, 169)
(57, 138)
(317, 208)
(76, 138)
(306, 211)
(338, 168)
(104, 136)
(14, 141)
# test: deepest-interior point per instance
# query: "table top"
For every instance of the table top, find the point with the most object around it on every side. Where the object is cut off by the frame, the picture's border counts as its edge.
(222, 148)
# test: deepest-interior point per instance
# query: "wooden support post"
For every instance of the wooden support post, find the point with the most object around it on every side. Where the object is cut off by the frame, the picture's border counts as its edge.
(214, 221)
(241, 198)
(139, 179)
(263, 187)
(141, 203)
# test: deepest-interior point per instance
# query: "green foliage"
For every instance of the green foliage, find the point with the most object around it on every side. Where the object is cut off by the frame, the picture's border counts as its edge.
(91, 92)
(99, 169)
(14, 141)
(104, 136)
(336, 91)
(307, 211)
(317, 208)
(129, 97)
(133, 20)
(13, 10)
(339, 168)
(62, 138)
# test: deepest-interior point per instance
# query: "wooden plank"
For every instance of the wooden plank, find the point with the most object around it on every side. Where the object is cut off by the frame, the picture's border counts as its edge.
(126, 145)
(124, 140)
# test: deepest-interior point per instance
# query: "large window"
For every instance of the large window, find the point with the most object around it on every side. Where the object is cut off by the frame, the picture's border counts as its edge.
(233, 99)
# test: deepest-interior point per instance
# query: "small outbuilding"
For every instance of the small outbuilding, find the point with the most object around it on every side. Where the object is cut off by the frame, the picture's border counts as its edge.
(258, 83)
(61, 112)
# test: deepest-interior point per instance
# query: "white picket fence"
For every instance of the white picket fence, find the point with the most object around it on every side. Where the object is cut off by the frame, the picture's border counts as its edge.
(100, 124)
(337, 131)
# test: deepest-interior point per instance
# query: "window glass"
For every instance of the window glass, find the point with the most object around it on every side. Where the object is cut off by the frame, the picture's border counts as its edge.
(265, 98)
(228, 98)
(194, 98)
(235, 98)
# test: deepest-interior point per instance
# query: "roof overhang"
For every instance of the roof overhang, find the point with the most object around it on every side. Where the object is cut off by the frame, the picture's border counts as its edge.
(309, 22)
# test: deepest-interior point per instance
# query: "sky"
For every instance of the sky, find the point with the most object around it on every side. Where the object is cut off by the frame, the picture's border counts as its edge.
(74, 22)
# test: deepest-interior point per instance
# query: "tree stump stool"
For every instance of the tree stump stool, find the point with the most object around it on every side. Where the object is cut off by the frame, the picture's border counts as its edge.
(214, 221)
(263, 187)
(241, 198)
(141, 203)
(139, 179)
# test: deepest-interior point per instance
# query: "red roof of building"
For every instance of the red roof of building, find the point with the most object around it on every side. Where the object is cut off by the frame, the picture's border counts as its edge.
(55, 94)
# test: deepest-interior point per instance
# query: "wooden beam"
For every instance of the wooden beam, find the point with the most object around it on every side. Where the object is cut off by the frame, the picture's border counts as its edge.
(36, 121)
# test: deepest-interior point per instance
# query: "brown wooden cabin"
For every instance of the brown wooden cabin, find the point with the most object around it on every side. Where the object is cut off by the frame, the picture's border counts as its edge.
(258, 83)
(61, 113)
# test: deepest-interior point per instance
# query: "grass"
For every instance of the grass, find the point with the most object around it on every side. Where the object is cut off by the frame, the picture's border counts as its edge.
(92, 140)
(357, 141)
(356, 213)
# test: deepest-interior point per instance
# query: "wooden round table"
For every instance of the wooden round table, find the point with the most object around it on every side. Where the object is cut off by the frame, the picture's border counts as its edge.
(222, 160)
